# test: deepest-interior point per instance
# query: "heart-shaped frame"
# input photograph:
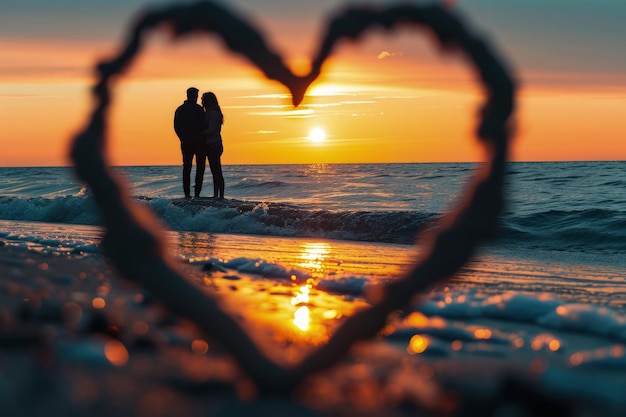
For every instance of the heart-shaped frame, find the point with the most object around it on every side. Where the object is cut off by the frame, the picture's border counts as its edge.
(132, 232)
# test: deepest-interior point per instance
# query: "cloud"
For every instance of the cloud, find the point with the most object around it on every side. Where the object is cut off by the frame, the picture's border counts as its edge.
(288, 113)
(259, 106)
(39, 72)
(264, 96)
(263, 132)
(387, 54)
(24, 96)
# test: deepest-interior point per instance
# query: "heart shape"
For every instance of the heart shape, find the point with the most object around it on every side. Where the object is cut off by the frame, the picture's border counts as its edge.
(132, 232)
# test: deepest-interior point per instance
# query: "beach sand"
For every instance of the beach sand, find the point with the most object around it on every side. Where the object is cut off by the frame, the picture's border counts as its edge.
(76, 339)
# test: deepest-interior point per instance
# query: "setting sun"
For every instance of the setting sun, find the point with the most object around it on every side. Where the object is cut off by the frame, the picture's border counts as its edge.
(317, 135)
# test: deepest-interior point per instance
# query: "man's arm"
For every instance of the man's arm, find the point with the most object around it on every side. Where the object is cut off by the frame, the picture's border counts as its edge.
(202, 119)
(177, 125)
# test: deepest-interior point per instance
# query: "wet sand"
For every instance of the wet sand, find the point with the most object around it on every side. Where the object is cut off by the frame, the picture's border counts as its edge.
(75, 339)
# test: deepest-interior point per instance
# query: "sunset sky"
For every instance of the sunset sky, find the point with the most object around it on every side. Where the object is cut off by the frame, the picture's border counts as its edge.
(391, 98)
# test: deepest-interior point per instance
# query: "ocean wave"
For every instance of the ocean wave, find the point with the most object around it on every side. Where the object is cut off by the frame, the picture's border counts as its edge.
(279, 219)
(586, 230)
(247, 183)
(76, 209)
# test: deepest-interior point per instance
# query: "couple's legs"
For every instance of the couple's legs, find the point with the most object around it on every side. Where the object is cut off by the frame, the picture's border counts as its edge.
(214, 155)
(200, 167)
(188, 153)
(189, 150)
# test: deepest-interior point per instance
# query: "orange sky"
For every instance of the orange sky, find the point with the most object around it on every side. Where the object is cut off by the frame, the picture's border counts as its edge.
(407, 105)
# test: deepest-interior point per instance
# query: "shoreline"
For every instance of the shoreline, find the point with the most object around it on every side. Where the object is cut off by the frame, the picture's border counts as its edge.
(92, 233)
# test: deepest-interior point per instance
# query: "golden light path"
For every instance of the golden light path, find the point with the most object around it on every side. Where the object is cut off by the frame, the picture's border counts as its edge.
(289, 317)
(313, 256)
(302, 318)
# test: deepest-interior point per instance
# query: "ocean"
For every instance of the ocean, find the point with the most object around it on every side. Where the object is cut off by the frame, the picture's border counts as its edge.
(571, 211)
(552, 285)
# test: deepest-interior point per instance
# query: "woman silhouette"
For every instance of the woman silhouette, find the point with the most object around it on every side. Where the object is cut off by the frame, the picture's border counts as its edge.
(213, 138)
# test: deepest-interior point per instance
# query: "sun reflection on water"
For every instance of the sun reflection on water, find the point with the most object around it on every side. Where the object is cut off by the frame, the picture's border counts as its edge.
(313, 255)
(302, 318)
(287, 316)
(303, 296)
(302, 315)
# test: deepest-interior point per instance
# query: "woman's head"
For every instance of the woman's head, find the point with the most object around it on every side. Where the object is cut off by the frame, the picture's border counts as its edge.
(209, 101)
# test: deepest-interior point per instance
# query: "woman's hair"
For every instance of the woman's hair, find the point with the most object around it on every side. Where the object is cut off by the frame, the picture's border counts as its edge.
(209, 102)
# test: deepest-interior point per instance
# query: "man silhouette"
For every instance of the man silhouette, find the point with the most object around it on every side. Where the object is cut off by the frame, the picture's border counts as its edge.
(189, 122)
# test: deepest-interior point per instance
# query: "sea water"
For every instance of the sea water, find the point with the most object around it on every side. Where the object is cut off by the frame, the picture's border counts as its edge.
(571, 211)
(563, 231)
(553, 281)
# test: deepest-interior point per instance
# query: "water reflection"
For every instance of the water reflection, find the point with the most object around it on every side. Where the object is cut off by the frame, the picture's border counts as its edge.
(316, 170)
(313, 256)
(288, 315)
(302, 297)
(302, 318)
(302, 315)
(190, 244)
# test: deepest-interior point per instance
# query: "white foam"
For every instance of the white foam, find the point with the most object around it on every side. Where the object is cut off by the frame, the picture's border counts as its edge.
(587, 318)
(543, 309)
(520, 307)
(216, 220)
(258, 266)
(344, 285)
(467, 308)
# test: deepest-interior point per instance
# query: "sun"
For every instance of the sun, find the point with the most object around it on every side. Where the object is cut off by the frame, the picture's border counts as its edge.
(317, 135)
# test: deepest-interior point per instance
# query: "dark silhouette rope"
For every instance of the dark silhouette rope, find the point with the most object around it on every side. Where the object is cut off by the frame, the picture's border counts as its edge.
(132, 232)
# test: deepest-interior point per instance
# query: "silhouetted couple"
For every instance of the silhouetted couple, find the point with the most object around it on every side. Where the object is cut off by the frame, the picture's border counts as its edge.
(199, 130)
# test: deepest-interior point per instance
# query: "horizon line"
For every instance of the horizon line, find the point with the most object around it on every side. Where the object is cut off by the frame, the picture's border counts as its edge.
(341, 163)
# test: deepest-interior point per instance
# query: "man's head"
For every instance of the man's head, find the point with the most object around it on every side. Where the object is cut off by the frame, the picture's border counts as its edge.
(192, 94)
